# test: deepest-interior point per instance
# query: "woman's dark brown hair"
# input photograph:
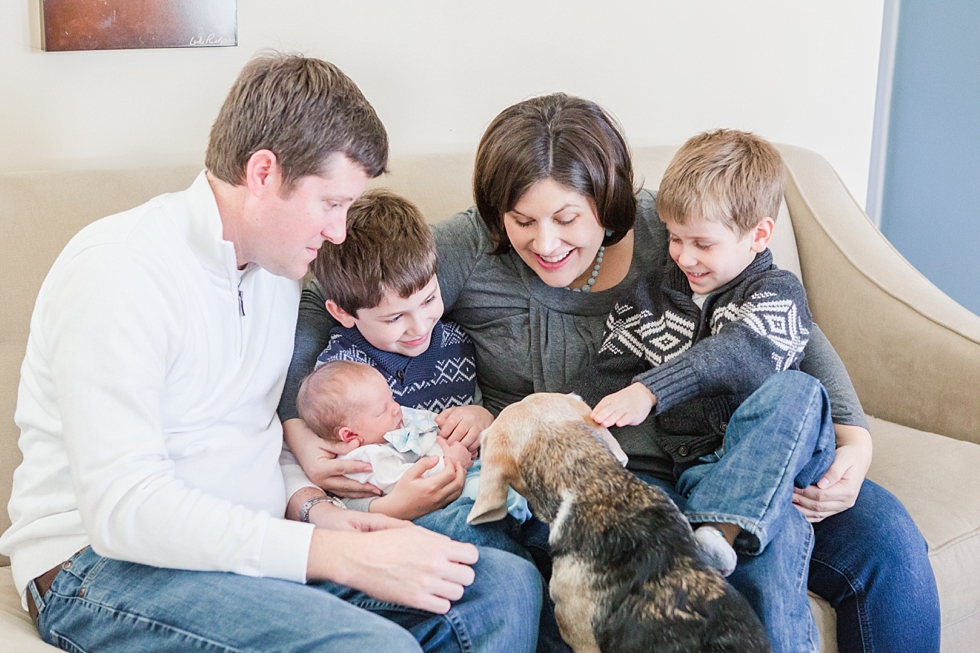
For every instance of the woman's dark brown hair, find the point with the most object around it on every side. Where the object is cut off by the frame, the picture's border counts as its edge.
(568, 139)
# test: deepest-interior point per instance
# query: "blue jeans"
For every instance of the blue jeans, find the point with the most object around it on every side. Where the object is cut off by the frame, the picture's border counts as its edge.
(528, 540)
(765, 453)
(504, 534)
(100, 604)
(870, 562)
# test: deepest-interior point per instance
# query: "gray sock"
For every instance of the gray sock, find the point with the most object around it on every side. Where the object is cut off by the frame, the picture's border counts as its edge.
(714, 550)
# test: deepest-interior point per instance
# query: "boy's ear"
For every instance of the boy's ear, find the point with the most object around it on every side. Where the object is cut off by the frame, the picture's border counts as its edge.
(340, 314)
(761, 234)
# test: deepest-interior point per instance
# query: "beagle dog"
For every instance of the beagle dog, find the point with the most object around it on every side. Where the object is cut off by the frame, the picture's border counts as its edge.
(626, 574)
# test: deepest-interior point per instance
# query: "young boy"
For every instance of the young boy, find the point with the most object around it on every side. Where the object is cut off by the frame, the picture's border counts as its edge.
(344, 401)
(693, 347)
(381, 286)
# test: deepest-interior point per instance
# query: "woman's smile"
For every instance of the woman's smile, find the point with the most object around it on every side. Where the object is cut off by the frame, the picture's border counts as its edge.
(554, 262)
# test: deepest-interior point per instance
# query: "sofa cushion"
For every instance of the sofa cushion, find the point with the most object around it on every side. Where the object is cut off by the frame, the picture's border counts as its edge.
(924, 471)
(16, 628)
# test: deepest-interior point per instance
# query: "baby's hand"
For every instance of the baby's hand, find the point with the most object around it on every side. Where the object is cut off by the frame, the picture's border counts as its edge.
(414, 496)
(628, 407)
(456, 452)
(464, 424)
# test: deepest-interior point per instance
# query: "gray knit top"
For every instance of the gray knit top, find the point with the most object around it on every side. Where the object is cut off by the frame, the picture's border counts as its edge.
(531, 337)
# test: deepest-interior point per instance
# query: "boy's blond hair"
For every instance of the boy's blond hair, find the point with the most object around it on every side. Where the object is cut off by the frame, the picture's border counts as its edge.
(727, 176)
(389, 248)
(326, 401)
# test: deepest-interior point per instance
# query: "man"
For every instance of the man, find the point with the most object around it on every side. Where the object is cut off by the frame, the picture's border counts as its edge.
(147, 514)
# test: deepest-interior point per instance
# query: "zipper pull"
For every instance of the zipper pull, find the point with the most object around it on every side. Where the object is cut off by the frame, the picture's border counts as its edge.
(241, 303)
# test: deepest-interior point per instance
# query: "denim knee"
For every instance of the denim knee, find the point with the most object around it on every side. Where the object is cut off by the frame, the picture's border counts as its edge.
(502, 609)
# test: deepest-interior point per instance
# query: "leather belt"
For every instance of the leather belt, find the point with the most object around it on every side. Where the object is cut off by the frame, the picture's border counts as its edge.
(43, 584)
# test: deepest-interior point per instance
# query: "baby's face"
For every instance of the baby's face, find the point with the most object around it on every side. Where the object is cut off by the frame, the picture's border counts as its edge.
(380, 412)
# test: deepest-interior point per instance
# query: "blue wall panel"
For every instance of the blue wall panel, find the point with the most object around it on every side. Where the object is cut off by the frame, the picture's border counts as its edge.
(931, 201)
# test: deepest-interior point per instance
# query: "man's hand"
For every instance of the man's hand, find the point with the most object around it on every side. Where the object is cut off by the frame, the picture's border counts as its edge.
(318, 458)
(628, 407)
(406, 565)
(456, 452)
(414, 496)
(464, 424)
(839, 488)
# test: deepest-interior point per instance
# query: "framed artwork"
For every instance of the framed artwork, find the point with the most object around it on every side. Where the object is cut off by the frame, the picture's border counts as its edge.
(129, 24)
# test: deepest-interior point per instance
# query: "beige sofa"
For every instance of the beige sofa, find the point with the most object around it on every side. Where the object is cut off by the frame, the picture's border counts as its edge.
(913, 353)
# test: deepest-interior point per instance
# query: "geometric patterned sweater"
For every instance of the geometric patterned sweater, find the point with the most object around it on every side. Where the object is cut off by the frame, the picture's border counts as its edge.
(442, 376)
(701, 363)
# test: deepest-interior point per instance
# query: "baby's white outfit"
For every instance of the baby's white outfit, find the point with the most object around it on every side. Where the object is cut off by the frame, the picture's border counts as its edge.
(416, 438)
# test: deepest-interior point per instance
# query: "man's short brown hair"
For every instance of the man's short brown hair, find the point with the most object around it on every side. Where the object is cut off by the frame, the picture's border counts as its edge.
(727, 176)
(560, 137)
(389, 248)
(325, 400)
(303, 110)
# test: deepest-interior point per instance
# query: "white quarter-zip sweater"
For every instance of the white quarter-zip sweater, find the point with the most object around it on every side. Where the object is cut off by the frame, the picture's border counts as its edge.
(147, 402)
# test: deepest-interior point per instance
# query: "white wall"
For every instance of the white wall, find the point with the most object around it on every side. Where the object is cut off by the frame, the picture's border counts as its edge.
(437, 71)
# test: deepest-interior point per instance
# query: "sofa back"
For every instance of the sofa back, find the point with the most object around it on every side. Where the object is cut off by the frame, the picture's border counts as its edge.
(40, 212)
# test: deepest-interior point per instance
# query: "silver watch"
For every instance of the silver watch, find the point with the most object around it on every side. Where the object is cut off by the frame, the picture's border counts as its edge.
(304, 512)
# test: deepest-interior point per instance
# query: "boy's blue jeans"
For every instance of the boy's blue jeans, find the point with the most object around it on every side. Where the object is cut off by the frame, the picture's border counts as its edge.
(870, 561)
(749, 481)
(766, 453)
(100, 604)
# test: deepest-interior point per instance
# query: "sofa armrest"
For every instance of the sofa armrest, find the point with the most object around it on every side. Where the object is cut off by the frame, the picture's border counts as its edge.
(912, 352)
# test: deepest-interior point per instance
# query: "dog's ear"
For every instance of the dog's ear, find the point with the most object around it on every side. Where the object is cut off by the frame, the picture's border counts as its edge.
(601, 432)
(607, 439)
(496, 469)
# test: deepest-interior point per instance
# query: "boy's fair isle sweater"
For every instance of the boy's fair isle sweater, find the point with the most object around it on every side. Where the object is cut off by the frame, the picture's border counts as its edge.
(442, 376)
(701, 363)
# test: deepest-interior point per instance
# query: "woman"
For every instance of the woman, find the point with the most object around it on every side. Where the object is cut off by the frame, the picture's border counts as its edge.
(558, 235)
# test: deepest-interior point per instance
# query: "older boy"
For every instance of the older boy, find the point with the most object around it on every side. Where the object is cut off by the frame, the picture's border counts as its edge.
(148, 511)
(381, 286)
(694, 347)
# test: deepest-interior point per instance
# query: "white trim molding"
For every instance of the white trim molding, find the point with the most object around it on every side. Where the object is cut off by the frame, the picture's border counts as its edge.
(883, 103)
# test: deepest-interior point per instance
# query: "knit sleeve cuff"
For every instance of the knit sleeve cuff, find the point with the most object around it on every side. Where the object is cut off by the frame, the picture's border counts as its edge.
(672, 385)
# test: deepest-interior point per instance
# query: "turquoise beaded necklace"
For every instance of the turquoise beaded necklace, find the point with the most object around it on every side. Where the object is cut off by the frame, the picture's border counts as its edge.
(587, 286)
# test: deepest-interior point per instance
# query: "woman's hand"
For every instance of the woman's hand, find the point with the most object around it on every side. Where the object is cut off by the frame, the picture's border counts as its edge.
(838, 489)
(414, 496)
(628, 407)
(464, 424)
(318, 458)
